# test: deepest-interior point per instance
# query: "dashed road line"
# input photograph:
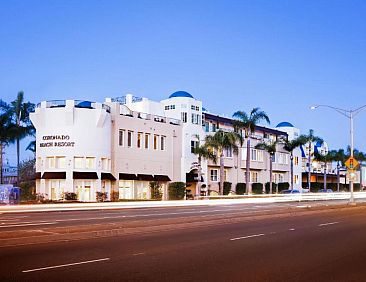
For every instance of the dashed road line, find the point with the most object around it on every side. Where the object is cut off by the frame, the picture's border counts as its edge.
(65, 265)
(328, 223)
(247, 237)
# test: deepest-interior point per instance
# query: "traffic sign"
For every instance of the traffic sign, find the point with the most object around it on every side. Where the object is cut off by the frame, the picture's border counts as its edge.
(351, 163)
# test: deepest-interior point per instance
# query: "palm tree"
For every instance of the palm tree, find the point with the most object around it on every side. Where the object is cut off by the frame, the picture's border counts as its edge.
(290, 146)
(202, 152)
(271, 149)
(220, 141)
(310, 139)
(325, 159)
(23, 126)
(6, 132)
(248, 123)
(340, 158)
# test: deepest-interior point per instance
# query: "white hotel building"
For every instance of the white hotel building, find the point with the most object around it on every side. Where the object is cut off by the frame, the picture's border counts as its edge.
(125, 143)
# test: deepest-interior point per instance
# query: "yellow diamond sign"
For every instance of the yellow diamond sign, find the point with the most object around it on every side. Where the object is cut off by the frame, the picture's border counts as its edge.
(351, 163)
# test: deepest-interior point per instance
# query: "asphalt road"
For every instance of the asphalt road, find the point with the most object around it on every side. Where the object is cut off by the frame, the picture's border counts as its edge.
(276, 242)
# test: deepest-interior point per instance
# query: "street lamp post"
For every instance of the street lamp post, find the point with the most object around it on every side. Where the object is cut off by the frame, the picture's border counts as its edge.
(350, 114)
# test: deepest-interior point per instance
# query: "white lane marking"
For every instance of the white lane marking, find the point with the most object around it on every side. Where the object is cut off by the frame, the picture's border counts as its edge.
(29, 224)
(65, 265)
(328, 223)
(302, 207)
(247, 237)
(138, 254)
(292, 229)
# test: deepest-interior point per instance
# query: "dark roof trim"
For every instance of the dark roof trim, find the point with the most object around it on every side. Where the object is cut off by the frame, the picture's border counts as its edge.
(192, 177)
(38, 175)
(231, 121)
(145, 177)
(107, 176)
(127, 176)
(161, 177)
(54, 175)
(84, 175)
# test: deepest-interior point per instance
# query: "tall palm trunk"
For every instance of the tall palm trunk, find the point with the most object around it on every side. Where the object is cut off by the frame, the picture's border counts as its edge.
(18, 160)
(1, 163)
(198, 188)
(248, 187)
(338, 177)
(325, 176)
(292, 170)
(309, 168)
(222, 174)
(270, 174)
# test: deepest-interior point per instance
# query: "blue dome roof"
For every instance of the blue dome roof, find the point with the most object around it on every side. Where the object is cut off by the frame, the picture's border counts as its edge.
(284, 124)
(181, 94)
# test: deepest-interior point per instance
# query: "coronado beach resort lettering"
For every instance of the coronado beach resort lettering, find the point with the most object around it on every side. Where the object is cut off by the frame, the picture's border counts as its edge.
(56, 141)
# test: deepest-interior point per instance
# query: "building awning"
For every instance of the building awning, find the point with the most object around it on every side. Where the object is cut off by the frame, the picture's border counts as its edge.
(84, 175)
(192, 177)
(38, 175)
(158, 177)
(145, 177)
(127, 176)
(107, 176)
(54, 175)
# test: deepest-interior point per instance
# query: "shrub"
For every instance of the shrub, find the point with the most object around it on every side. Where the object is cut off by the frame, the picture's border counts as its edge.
(257, 188)
(155, 191)
(114, 196)
(176, 190)
(283, 186)
(227, 188)
(240, 188)
(274, 185)
(27, 191)
(70, 196)
(101, 196)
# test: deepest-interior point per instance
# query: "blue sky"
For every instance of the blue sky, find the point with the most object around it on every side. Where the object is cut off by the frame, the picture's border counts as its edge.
(282, 56)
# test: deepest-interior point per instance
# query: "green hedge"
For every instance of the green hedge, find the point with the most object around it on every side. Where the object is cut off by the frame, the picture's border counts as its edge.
(257, 188)
(274, 185)
(176, 190)
(283, 186)
(240, 188)
(227, 187)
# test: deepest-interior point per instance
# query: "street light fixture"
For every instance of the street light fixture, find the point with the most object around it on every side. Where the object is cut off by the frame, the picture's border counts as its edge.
(350, 114)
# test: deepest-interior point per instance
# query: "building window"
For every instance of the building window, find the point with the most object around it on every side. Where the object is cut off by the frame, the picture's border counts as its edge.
(129, 139)
(228, 152)
(104, 164)
(162, 143)
(256, 155)
(139, 140)
(51, 162)
(207, 127)
(147, 140)
(89, 163)
(121, 139)
(253, 176)
(184, 117)
(226, 174)
(78, 162)
(194, 144)
(296, 160)
(213, 175)
(214, 127)
(296, 179)
(156, 138)
(195, 119)
(193, 107)
(61, 162)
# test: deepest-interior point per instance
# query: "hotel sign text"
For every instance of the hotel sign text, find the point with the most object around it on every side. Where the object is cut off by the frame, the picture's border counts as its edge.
(56, 141)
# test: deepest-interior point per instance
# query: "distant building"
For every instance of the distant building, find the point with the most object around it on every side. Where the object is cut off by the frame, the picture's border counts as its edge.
(9, 174)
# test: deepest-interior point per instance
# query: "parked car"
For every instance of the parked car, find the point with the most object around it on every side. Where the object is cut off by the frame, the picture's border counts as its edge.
(325, 191)
(290, 192)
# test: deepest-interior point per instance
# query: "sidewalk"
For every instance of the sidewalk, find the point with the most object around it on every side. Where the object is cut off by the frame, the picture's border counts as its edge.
(259, 199)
